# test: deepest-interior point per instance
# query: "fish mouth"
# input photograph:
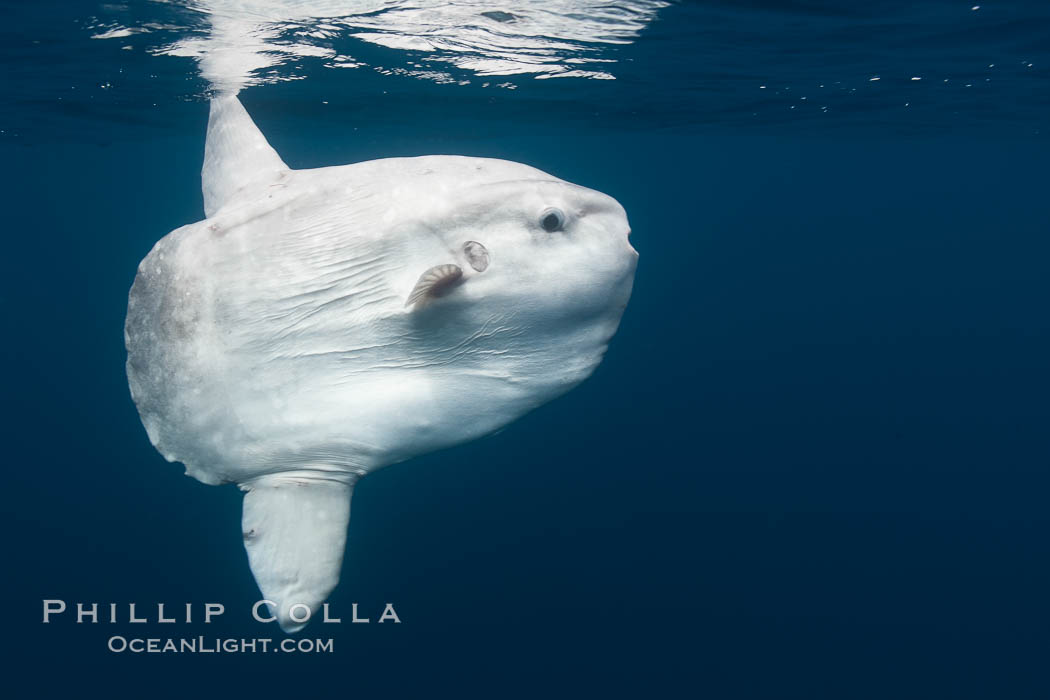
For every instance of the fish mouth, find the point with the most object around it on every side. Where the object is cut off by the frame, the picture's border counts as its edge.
(633, 253)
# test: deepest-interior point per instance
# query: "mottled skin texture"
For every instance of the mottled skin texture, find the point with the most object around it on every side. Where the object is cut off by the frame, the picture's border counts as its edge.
(270, 345)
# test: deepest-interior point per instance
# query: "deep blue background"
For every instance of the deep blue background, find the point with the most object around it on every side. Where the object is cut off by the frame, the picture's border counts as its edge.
(813, 464)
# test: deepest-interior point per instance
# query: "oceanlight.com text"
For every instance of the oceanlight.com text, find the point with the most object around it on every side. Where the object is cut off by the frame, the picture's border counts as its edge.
(217, 645)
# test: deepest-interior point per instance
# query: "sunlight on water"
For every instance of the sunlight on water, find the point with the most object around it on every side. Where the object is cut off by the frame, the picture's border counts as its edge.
(238, 44)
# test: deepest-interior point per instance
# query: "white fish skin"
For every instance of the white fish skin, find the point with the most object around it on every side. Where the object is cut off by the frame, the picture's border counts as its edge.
(270, 345)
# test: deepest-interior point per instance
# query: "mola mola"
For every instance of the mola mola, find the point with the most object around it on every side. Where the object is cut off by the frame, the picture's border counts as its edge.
(320, 324)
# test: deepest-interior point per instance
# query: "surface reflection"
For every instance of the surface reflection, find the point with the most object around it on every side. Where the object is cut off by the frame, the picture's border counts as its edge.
(253, 41)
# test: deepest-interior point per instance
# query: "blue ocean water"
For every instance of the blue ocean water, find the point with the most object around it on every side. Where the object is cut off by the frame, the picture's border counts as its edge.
(813, 464)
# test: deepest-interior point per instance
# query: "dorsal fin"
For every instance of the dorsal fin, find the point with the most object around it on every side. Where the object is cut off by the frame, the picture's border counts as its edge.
(236, 155)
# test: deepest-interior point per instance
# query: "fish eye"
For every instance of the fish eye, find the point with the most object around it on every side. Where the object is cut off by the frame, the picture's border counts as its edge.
(552, 220)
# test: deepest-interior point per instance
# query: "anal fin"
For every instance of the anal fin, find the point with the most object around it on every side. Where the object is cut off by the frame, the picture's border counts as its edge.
(295, 534)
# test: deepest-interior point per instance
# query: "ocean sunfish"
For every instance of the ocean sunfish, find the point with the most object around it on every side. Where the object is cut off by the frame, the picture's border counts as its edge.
(320, 324)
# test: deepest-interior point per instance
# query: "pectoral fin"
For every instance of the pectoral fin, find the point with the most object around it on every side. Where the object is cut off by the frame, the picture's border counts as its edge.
(435, 282)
